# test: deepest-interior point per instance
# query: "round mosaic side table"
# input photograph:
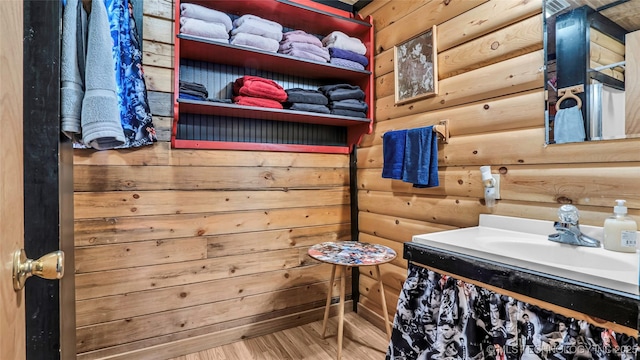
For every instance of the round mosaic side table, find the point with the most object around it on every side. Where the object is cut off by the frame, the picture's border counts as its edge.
(344, 254)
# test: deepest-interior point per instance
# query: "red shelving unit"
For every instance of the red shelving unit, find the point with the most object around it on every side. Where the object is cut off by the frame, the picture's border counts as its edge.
(293, 15)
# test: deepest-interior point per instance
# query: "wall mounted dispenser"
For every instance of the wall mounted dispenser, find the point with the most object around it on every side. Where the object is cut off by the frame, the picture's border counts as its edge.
(491, 185)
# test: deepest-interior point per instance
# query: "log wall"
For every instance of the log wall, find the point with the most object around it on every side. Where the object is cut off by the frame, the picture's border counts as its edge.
(182, 250)
(490, 56)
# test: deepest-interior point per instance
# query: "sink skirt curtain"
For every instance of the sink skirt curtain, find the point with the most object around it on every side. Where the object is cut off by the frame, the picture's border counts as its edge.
(442, 318)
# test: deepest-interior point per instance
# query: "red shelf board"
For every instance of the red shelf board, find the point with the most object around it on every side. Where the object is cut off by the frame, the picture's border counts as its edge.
(291, 15)
(201, 49)
(260, 113)
(222, 145)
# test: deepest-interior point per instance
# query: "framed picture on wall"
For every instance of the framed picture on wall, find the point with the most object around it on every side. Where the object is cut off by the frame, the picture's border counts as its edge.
(415, 68)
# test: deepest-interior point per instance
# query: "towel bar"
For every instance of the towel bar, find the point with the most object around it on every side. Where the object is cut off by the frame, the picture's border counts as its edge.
(442, 129)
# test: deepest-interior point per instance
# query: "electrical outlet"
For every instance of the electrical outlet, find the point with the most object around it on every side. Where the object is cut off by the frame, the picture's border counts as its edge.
(496, 177)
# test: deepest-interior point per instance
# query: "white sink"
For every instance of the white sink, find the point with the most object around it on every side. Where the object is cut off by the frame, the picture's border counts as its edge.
(523, 243)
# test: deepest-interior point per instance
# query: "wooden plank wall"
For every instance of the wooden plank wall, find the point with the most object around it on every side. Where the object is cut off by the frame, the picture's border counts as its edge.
(183, 250)
(491, 89)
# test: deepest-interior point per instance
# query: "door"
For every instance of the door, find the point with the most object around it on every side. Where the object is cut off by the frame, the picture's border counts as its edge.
(36, 179)
(12, 322)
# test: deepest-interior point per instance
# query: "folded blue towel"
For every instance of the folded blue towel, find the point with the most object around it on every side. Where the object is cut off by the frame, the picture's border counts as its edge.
(421, 158)
(393, 143)
(184, 95)
(349, 55)
(568, 126)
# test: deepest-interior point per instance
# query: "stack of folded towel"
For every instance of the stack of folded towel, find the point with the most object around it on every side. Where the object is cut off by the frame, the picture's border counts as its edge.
(204, 22)
(256, 32)
(300, 44)
(348, 58)
(345, 100)
(307, 100)
(257, 91)
(193, 91)
(340, 40)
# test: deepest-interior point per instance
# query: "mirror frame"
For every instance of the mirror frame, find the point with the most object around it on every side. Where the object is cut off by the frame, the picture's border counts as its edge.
(575, 67)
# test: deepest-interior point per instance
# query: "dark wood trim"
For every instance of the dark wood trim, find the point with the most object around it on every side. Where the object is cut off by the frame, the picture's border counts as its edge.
(353, 194)
(618, 307)
(47, 199)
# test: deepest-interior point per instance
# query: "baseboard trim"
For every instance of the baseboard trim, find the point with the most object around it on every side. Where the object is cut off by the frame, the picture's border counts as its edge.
(219, 338)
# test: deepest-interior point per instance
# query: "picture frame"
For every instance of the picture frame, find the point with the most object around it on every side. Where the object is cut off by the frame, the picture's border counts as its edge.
(415, 68)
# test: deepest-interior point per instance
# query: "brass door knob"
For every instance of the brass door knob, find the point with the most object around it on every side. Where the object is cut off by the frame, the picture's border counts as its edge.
(50, 266)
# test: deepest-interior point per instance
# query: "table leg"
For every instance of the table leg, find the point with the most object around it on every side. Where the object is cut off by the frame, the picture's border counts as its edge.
(385, 313)
(328, 305)
(343, 270)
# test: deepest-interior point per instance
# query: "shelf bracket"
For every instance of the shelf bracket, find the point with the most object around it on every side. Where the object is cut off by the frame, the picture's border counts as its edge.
(443, 130)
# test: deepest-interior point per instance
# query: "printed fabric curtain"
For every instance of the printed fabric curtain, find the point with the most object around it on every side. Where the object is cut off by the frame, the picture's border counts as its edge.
(135, 115)
(104, 102)
(439, 317)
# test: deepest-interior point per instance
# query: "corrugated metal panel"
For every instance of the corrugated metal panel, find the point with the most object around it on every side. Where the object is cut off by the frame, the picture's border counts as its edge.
(220, 128)
(218, 79)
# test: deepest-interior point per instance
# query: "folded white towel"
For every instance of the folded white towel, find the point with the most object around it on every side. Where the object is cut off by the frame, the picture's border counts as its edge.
(204, 13)
(287, 48)
(342, 41)
(197, 27)
(237, 22)
(260, 27)
(255, 41)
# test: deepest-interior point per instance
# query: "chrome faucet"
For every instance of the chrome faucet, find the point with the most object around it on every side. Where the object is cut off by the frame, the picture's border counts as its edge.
(568, 229)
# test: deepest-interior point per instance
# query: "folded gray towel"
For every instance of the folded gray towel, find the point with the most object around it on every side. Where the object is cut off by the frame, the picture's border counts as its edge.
(301, 36)
(351, 113)
(336, 92)
(310, 108)
(195, 11)
(101, 127)
(346, 63)
(304, 55)
(349, 104)
(197, 27)
(287, 47)
(72, 82)
(257, 26)
(299, 95)
(255, 41)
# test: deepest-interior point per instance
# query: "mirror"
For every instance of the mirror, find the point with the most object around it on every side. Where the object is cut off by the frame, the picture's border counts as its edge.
(592, 77)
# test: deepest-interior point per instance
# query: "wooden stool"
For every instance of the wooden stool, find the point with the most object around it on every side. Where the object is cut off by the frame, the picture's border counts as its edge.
(343, 254)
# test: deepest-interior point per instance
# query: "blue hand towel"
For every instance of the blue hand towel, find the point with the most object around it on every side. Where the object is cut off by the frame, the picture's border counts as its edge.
(393, 143)
(421, 158)
(568, 125)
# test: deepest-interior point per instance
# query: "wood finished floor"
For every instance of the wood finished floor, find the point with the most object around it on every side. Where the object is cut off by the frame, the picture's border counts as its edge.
(362, 341)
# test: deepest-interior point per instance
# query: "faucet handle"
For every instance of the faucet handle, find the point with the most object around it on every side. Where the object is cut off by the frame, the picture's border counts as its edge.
(568, 214)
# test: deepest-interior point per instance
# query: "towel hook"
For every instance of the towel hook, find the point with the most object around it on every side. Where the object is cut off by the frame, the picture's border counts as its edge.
(570, 93)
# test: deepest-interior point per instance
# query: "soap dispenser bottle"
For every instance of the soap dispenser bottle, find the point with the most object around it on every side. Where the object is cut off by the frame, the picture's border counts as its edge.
(620, 231)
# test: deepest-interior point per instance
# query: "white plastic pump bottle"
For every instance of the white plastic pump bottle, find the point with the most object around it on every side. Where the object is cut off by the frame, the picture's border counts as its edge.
(620, 231)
